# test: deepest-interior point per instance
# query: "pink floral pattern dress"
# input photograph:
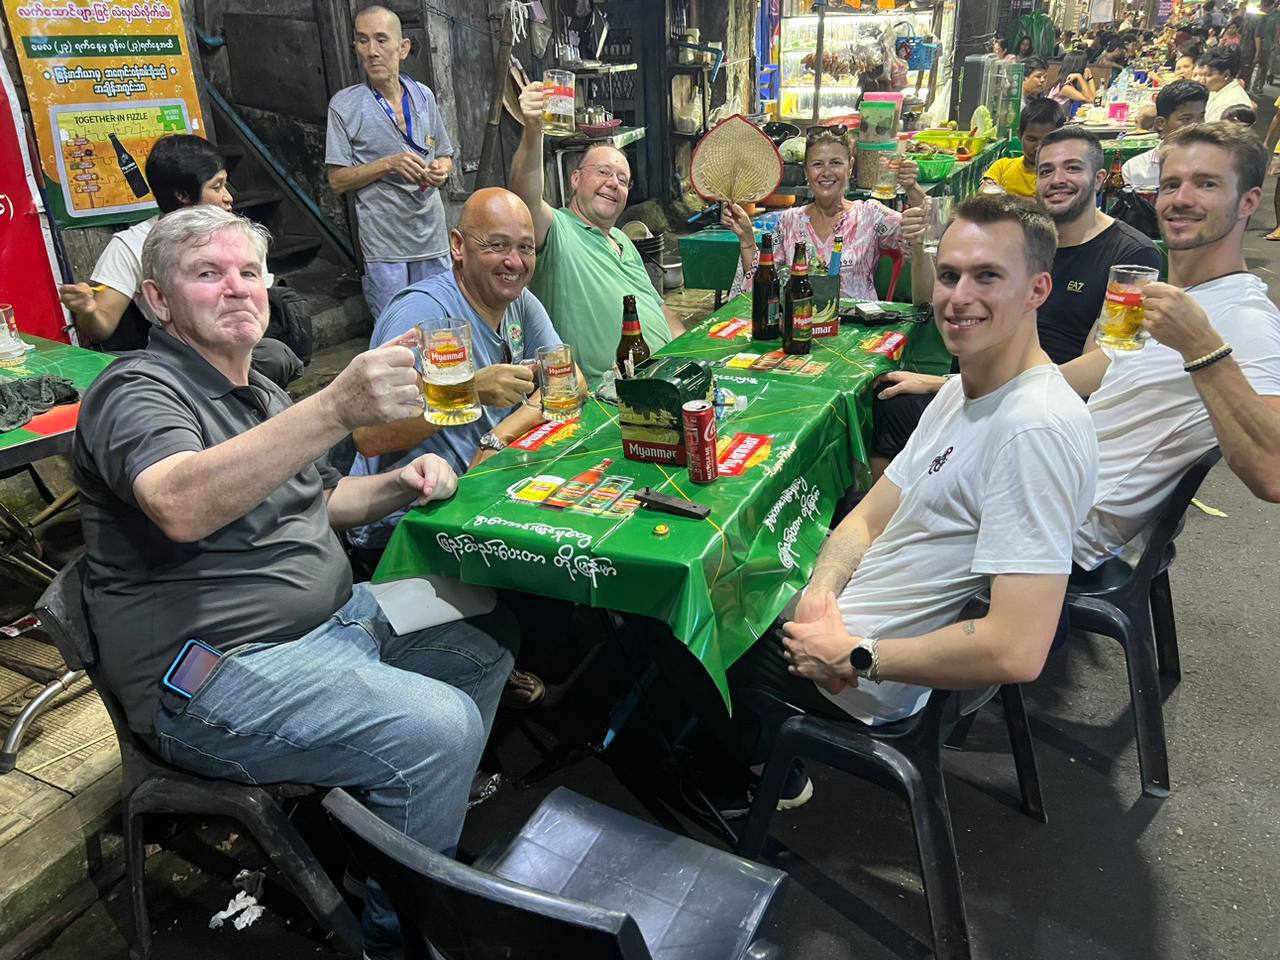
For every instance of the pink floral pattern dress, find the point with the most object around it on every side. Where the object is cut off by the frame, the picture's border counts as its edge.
(869, 230)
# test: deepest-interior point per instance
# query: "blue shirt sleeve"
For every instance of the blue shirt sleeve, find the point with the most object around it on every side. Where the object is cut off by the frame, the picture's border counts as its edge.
(538, 331)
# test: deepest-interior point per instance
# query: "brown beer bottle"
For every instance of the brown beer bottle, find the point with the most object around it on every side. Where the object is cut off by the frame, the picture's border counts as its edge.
(631, 346)
(765, 296)
(1115, 179)
(797, 316)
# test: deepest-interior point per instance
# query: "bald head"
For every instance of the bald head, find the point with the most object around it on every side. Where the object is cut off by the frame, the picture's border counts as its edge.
(381, 46)
(495, 208)
(493, 249)
(378, 18)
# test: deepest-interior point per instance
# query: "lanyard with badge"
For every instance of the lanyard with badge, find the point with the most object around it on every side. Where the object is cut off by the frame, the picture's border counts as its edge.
(405, 109)
(407, 133)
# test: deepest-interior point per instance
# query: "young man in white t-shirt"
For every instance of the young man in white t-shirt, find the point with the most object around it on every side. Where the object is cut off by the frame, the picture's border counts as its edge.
(1211, 372)
(987, 493)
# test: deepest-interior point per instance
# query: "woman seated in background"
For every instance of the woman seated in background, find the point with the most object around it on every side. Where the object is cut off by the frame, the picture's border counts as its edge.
(1075, 85)
(1017, 175)
(868, 229)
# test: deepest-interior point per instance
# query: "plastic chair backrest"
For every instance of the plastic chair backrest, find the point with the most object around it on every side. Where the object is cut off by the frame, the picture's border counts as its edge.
(61, 611)
(1168, 521)
(62, 614)
(464, 912)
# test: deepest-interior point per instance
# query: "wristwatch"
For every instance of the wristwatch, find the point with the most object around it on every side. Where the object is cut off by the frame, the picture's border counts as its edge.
(491, 441)
(865, 660)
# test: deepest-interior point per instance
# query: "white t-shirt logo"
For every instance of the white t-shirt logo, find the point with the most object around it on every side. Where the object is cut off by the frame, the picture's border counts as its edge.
(940, 461)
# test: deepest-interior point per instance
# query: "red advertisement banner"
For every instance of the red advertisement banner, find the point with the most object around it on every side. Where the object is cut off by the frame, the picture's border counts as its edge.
(27, 265)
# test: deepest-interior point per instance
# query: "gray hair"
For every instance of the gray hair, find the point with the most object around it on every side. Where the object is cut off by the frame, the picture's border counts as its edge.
(191, 227)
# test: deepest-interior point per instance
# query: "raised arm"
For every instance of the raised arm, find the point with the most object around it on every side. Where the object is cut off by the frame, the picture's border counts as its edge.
(190, 495)
(1247, 425)
(526, 166)
(735, 218)
(497, 385)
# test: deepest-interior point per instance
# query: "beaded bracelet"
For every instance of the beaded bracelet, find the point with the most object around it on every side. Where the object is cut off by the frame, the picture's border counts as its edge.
(1208, 359)
(749, 275)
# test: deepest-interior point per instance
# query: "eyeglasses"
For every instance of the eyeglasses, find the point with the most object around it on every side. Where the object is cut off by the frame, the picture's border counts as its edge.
(836, 131)
(608, 173)
(501, 247)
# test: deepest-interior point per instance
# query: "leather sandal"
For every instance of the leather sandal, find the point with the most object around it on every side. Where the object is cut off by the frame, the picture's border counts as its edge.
(523, 690)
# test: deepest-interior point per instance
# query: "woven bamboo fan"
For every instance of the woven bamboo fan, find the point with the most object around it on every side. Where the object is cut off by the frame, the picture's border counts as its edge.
(735, 161)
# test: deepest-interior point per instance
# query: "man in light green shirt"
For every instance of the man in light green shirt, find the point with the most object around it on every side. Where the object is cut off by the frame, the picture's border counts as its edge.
(585, 264)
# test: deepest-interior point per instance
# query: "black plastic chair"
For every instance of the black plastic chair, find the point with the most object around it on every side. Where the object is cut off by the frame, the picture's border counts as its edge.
(905, 757)
(1123, 602)
(150, 785)
(580, 879)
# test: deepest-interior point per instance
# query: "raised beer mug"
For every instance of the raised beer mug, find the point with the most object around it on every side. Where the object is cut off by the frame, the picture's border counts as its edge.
(1120, 323)
(448, 373)
(558, 383)
(558, 86)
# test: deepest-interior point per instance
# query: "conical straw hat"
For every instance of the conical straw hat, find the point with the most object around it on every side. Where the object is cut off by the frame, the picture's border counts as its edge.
(735, 161)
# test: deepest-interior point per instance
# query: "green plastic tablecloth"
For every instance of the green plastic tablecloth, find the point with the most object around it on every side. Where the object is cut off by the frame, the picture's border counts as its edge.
(718, 582)
(55, 359)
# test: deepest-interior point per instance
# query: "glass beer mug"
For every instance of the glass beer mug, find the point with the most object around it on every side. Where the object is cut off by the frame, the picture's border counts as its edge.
(559, 383)
(449, 374)
(557, 114)
(1120, 323)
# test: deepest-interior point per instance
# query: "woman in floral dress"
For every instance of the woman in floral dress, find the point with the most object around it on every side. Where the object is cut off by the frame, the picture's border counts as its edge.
(867, 228)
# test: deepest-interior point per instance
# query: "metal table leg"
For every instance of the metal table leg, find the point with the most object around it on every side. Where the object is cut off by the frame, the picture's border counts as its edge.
(64, 500)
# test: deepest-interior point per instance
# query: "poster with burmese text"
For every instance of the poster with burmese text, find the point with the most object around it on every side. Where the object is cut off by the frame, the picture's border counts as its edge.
(105, 79)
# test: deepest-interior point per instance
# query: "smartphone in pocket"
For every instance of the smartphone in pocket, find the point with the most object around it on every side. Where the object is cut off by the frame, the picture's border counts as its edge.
(191, 668)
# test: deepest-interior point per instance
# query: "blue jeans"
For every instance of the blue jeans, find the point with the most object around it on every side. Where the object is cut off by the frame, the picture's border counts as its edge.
(383, 279)
(400, 719)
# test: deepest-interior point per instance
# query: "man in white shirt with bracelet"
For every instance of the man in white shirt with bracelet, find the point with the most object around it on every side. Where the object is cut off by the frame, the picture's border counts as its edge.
(1211, 372)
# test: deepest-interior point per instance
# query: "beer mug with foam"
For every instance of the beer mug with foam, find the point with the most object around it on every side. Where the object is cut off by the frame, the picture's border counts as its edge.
(448, 373)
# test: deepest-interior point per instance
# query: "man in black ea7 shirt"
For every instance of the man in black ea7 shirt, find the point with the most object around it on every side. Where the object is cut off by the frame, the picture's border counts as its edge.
(1069, 173)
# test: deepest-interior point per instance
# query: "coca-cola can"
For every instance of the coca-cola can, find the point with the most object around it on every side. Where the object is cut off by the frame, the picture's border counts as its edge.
(700, 440)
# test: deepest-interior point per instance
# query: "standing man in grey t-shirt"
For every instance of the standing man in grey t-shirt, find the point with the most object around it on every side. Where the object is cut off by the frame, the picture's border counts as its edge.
(386, 141)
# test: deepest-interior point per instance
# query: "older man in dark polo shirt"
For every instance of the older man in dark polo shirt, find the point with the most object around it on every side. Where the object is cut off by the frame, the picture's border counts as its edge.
(207, 516)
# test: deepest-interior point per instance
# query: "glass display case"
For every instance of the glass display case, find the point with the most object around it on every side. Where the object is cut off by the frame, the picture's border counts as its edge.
(1002, 95)
(848, 43)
